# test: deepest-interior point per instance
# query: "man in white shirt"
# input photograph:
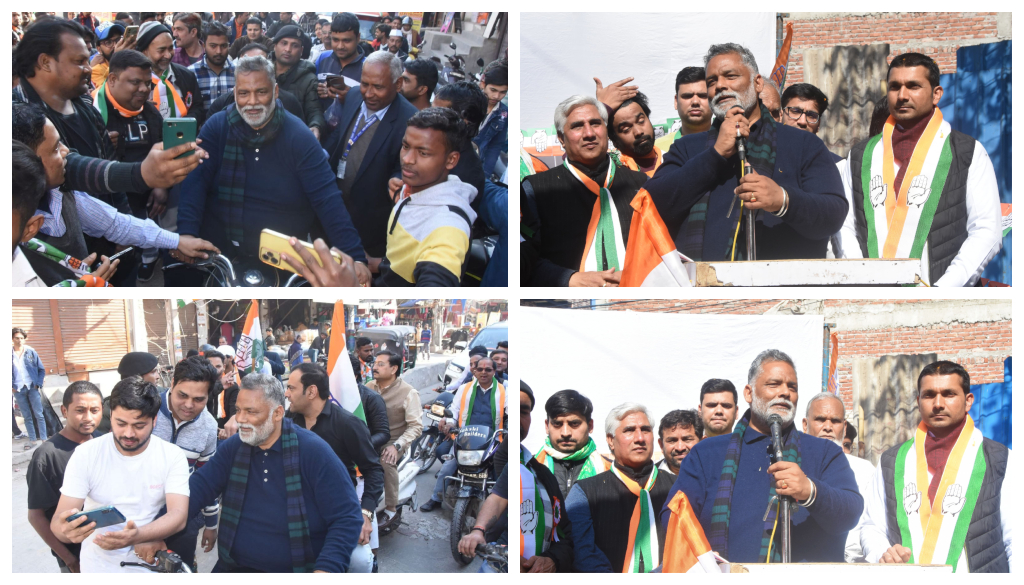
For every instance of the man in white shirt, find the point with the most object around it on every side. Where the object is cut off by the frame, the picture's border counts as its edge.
(826, 419)
(131, 470)
(920, 189)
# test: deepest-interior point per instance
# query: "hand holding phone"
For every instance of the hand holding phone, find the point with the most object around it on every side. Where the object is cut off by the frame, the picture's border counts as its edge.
(179, 131)
(273, 244)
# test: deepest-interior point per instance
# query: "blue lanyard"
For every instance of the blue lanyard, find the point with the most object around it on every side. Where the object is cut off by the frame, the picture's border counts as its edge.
(352, 140)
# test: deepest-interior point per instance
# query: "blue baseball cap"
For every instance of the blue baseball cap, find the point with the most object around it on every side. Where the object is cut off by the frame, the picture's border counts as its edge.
(104, 30)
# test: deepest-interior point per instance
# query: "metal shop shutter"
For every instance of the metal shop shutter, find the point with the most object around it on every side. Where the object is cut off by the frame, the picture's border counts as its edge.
(189, 328)
(156, 329)
(35, 317)
(94, 333)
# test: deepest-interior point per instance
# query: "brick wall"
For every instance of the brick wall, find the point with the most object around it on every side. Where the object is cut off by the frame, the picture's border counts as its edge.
(936, 34)
(980, 344)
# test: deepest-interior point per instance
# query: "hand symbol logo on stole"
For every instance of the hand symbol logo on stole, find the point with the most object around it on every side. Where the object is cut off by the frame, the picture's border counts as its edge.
(919, 191)
(911, 498)
(954, 500)
(877, 191)
(527, 517)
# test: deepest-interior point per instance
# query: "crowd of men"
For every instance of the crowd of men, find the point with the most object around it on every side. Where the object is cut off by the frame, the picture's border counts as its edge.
(391, 184)
(808, 202)
(275, 489)
(583, 511)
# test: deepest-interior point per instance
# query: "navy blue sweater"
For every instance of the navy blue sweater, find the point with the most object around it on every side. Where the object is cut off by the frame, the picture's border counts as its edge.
(261, 542)
(819, 532)
(288, 185)
(803, 167)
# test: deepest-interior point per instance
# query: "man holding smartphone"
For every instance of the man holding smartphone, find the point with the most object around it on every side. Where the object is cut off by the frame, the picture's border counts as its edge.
(130, 470)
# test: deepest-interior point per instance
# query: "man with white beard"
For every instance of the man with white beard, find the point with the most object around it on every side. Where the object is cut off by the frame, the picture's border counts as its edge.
(826, 419)
(266, 170)
(734, 473)
(288, 502)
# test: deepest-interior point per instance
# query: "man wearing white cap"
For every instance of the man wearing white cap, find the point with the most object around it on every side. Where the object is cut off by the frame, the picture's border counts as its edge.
(395, 44)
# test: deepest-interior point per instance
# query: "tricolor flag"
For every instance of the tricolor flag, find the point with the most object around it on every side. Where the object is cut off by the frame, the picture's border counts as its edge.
(686, 548)
(833, 382)
(344, 388)
(651, 256)
(250, 350)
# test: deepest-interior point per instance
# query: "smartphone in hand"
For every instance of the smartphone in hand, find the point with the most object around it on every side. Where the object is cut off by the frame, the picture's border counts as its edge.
(179, 131)
(105, 516)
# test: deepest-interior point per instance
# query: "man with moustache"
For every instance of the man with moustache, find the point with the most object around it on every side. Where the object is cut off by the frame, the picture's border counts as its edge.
(569, 451)
(214, 72)
(253, 34)
(947, 475)
(175, 89)
(560, 205)
(633, 134)
(734, 473)
(345, 58)
(603, 508)
(691, 103)
(404, 414)
(187, 28)
(678, 432)
(718, 407)
(794, 184)
(826, 419)
(82, 409)
(131, 470)
(947, 211)
(297, 75)
(266, 170)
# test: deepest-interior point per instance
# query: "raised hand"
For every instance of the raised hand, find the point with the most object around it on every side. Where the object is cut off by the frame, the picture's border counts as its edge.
(954, 500)
(616, 93)
(527, 517)
(919, 191)
(877, 191)
(911, 498)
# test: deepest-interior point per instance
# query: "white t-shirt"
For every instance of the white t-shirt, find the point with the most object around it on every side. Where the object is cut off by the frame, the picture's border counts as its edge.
(136, 486)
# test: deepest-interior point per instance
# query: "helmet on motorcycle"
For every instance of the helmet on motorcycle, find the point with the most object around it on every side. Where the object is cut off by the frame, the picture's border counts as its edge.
(205, 348)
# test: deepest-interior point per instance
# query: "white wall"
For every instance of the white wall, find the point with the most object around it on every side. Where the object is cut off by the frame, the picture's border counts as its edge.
(563, 52)
(660, 360)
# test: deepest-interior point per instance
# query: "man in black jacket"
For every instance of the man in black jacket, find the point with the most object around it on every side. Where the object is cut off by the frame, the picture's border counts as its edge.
(177, 94)
(297, 75)
(308, 390)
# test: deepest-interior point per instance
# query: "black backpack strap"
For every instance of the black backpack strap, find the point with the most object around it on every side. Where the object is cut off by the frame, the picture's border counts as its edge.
(461, 213)
(398, 212)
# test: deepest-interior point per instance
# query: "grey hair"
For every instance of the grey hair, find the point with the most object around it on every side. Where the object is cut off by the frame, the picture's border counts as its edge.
(565, 108)
(743, 52)
(273, 391)
(615, 416)
(824, 396)
(768, 355)
(768, 81)
(388, 59)
(254, 64)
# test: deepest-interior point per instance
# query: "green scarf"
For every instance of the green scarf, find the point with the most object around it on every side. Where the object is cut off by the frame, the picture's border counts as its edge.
(588, 470)
(494, 398)
(231, 178)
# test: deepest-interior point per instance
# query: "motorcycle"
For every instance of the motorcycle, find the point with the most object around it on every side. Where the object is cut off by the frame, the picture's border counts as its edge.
(432, 445)
(475, 446)
(407, 472)
(495, 555)
(166, 562)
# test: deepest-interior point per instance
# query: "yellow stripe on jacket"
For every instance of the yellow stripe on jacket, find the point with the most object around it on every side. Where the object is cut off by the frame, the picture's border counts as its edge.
(444, 245)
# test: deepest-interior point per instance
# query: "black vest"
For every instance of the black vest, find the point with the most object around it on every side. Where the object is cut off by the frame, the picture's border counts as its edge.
(949, 227)
(611, 507)
(73, 240)
(985, 550)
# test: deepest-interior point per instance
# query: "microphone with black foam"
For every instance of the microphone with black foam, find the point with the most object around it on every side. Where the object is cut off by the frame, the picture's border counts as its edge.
(775, 424)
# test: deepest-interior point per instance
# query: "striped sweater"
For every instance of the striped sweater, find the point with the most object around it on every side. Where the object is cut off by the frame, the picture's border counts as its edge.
(197, 438)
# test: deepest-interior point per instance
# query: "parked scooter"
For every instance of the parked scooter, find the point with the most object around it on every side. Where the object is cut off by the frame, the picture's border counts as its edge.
(407, 472)
(432, 445)
(465, 492)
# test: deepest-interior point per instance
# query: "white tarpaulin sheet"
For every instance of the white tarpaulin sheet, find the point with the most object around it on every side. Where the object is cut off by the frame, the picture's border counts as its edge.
(660, 360)
(563, 52)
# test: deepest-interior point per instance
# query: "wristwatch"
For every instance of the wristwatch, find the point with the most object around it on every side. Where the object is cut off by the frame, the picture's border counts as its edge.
(368, 514)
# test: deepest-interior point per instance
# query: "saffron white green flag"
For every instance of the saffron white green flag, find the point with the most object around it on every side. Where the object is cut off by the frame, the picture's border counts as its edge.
(344, 388)
(250, 350)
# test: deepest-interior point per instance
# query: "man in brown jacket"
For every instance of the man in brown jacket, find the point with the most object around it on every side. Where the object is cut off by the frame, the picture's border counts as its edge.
(404, 416)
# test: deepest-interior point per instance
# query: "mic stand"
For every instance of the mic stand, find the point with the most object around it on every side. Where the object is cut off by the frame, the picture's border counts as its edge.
(785, 505)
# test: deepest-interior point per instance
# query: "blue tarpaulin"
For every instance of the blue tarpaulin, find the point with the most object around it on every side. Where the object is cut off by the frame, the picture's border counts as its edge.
(993, 408)
(978, 101)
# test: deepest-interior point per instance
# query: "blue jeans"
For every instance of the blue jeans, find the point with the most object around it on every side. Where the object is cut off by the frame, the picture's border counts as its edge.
(449, 468)
(31, 405)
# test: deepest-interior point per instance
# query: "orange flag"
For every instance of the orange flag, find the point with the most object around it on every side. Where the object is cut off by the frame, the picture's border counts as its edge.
(651, 256)
(782, 61)
(686, 547)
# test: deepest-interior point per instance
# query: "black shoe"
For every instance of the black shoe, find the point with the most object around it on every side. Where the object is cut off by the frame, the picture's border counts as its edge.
(376, 569)
(430, 506)
(146, 271)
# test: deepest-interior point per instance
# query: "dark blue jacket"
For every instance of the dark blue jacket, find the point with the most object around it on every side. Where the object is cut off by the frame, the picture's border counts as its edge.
(369, 201)
(819, 532)
(288, 186)
(494, 212)
(493, 139)
(261, 542)
(803, 167)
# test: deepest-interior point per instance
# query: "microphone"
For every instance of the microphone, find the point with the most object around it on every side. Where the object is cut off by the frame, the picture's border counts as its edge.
(775, 423)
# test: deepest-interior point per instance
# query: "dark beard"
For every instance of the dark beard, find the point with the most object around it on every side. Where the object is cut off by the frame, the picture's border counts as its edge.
(643, 146)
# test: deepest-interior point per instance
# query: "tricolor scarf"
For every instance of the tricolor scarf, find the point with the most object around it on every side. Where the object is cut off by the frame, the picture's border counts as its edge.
(588, 454)
(303, 560)
(99, 99)
(898, 222)
(497, 402)
(176, 106)
(604, 247)
(630, 162)
(762, 145)
(643, 531)
(718, 535)
(525, 164)
(231, 178)
(938, 536)
(538, 511)
(57, 255)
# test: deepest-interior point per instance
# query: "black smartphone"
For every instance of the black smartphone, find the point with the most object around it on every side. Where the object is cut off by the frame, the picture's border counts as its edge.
(105, 516)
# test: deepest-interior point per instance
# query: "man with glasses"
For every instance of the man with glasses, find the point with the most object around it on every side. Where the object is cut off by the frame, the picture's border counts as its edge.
(479, 402)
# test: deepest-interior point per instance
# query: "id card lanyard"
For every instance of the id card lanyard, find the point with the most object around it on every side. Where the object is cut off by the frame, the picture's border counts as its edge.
(352, 140)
